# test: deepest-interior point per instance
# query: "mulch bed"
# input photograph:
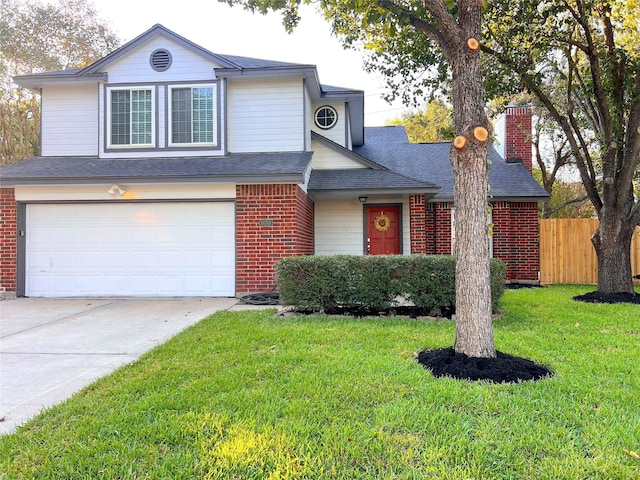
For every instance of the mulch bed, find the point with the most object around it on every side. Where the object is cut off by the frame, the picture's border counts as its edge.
(445, 362)
(599, 297)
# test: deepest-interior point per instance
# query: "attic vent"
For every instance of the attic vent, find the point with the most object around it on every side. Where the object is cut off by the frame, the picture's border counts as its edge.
(160, 60)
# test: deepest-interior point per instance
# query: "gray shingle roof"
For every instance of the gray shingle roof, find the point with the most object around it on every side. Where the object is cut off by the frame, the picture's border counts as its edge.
(429, 162)
(362, 179)
(249, 62)
(288, 167)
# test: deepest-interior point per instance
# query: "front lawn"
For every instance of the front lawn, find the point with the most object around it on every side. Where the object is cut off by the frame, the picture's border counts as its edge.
(246, 395)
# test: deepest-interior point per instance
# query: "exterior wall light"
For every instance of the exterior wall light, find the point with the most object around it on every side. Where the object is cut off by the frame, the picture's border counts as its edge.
(115, 188)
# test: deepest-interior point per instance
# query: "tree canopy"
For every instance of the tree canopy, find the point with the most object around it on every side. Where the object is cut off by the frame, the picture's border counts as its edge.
(40, 37)
(432, 124)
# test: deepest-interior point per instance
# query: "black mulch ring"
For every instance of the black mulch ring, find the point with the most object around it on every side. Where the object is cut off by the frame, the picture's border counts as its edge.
(599, 297)
(445, 362)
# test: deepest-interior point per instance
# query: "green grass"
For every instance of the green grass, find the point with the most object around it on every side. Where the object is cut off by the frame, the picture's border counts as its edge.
(246, 395)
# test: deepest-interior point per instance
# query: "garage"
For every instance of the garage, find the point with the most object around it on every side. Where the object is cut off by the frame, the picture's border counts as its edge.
(130, 249)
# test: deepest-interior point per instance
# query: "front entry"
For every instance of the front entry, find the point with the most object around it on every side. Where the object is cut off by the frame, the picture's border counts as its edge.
(383, 229)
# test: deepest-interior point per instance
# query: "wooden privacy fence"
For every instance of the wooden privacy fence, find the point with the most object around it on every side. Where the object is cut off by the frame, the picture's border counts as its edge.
(567, 255)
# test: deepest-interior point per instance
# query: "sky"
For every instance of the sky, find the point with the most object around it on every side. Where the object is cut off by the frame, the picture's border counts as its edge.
(231, 30)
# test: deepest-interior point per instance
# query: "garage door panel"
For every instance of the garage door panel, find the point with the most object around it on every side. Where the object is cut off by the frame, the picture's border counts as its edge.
(170, 259)
(92, 259)
(163, 249)
(114, 235)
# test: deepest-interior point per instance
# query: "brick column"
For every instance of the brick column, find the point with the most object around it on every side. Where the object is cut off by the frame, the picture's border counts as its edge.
(443, 228)
(516, 239)
(430, 229)
(8, 241)
(417, 223)
(272, 222)
(526, 241)
(518, 135)
(502, 247)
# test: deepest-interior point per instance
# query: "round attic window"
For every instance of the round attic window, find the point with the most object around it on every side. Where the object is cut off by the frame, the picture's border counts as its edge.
(326, 117)
(160, 60)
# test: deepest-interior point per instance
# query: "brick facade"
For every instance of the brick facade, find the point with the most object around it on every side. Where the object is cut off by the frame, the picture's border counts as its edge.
(516, 236)
(417, 223)
(438, 229)
(516, 239)
(8, 240)
(518, 135)
(272, 222)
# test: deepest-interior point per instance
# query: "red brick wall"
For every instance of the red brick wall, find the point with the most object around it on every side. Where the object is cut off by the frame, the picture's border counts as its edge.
(437, 229)
(518, 135)
(442, 216)
(417, 223)
(8, 240)
(272, 222)
(516, 239)
(516, 235)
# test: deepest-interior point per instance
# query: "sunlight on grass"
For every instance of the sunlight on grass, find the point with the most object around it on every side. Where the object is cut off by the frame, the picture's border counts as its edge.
(248, 395)
(227, 450)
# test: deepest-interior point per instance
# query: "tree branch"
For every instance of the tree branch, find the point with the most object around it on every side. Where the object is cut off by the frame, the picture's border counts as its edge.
(584, 198)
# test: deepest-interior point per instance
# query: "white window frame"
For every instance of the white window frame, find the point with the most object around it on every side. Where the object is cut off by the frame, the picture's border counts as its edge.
(214, 113)
(108, 119)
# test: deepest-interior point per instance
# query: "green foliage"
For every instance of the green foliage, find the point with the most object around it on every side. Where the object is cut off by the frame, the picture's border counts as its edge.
(433, 124)
(376, 282)
(40, 37)
(568, 200)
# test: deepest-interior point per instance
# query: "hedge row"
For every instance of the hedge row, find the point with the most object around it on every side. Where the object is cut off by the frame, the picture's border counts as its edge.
(376, 282)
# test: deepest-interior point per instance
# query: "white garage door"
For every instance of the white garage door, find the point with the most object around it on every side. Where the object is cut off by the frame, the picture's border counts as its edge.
(130, 249)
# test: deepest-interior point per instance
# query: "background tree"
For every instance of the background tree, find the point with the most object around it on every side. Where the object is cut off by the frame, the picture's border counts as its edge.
(38, 37)
(445, 33)
(580, 59)
(433, 124)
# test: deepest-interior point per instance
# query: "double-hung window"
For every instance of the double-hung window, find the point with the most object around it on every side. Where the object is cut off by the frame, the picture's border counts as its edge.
(193, 115)
(131, 117)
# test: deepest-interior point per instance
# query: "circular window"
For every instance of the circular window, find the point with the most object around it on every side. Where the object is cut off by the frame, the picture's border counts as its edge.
(326, 117)
(160, 60)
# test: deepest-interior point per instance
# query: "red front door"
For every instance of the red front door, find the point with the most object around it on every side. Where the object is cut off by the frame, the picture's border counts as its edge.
(383, 230)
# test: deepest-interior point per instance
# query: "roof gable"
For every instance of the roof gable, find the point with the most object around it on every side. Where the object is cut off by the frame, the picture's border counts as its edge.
(153, 32)
(347, 158)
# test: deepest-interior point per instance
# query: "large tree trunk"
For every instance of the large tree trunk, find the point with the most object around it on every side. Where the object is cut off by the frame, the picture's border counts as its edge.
(612, 241)
(474, 327)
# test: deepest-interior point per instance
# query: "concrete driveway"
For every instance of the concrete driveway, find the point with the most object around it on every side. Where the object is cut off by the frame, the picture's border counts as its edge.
(51, 348)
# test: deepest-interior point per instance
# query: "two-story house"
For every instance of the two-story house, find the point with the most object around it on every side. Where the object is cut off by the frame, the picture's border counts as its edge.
(169, 170)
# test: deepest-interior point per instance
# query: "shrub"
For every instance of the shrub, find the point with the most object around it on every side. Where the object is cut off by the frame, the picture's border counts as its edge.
(377, 282)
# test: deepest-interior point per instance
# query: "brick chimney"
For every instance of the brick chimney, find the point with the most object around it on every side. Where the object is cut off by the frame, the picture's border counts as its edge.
(518, 135)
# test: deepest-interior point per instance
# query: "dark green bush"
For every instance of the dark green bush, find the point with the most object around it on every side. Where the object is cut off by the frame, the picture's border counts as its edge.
(375, 282)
